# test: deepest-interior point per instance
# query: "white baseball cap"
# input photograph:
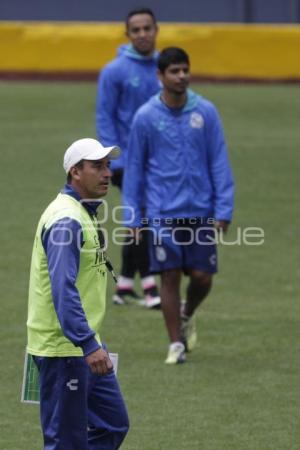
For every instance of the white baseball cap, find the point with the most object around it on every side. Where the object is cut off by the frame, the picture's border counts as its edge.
(90, 149)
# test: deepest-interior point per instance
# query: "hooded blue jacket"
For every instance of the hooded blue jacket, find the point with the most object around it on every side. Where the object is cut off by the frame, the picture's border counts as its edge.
(124, 85)
(178, 164)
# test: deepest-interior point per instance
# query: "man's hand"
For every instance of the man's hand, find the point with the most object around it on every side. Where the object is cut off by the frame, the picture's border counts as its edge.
(99, 362)
(222, 225)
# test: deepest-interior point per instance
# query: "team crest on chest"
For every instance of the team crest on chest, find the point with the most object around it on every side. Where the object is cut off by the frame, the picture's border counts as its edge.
(196, 120)
(135, 81)
(160, 125)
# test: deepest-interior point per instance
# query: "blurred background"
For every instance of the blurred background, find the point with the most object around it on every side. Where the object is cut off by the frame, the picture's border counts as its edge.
(226, 39)
(247, 11)
(239, 389)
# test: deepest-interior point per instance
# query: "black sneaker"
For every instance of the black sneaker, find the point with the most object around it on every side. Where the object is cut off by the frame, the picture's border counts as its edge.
(125, 296)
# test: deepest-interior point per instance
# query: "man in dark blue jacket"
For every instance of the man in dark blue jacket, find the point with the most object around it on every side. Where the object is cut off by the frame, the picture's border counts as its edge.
(178, 169)
(124, 85)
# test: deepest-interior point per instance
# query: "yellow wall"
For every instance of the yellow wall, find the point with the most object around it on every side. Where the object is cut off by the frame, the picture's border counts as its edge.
(216, 50)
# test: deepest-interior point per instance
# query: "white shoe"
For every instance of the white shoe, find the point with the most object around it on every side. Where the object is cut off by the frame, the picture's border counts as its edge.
(176, 353)
(152, 302)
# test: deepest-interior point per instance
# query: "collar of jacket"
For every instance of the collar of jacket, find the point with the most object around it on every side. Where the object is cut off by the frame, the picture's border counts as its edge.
(90, 206)
(191, 103)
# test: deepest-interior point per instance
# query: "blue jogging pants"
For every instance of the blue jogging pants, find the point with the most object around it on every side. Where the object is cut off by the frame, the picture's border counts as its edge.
(80, 410)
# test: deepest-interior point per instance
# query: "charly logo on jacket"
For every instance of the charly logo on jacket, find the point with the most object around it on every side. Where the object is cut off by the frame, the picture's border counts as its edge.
(135, 81)
(196, 120)
(73, 384)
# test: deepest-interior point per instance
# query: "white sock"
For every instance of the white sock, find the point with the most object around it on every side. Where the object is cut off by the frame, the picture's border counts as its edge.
(148, 282)
(175, 345)
(124, 283)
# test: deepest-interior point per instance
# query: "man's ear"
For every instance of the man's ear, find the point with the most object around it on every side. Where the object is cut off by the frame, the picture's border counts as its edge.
(75, 173)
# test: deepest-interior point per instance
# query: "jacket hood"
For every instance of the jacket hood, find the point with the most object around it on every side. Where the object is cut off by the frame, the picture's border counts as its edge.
(191, 103)
(129, 51)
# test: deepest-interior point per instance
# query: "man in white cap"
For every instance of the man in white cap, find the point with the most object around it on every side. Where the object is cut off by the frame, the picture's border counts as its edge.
(80, 400)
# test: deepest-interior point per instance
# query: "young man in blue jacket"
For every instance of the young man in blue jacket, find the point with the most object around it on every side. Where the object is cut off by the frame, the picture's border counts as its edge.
(178, 168)
(124, 85)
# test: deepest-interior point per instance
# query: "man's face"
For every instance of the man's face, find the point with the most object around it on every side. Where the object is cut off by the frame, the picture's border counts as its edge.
(93, 178)
(142, 31)
(175, 78)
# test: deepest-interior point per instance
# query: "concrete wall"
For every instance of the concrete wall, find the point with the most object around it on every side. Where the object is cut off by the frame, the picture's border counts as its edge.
(232, 51)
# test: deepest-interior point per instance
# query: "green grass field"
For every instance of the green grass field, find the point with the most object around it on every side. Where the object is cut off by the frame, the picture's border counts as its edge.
(239, 389)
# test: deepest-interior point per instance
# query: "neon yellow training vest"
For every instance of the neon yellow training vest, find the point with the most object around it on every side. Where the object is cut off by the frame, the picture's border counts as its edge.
(45, 336)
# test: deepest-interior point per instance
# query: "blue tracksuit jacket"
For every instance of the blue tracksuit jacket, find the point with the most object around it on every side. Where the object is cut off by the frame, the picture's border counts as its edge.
(124, 85)
(178, 164)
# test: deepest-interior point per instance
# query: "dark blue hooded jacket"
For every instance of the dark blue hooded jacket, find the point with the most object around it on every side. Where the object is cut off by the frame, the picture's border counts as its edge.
(124, 85)
(178, 164)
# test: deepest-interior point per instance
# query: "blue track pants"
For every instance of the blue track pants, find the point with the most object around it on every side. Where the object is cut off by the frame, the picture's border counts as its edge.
(80, 410)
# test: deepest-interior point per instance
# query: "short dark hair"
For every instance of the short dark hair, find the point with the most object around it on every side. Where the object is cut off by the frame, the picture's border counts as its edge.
(79, 165)
(171, 55)
(136, 11)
